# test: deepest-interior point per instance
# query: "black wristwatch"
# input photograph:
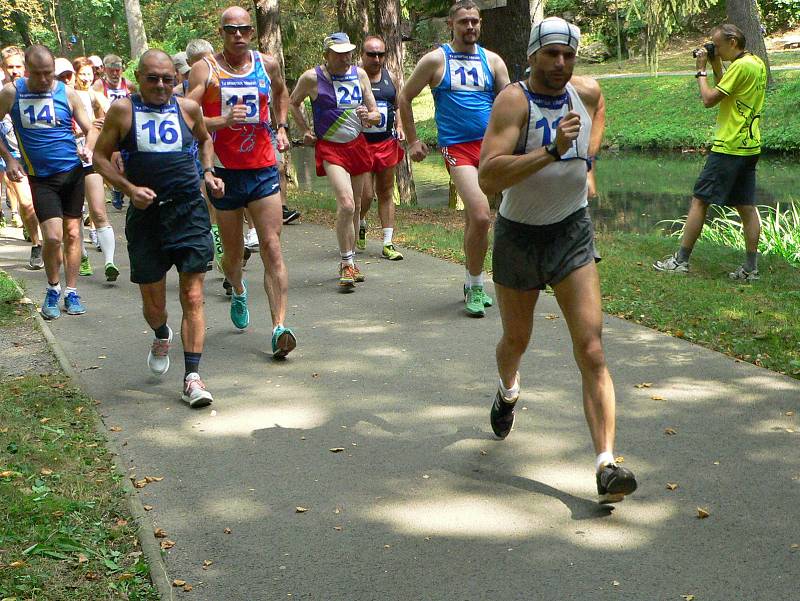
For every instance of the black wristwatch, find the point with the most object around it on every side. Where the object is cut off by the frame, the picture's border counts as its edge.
(552, 150)
(284, 126)
(209, 170)
(701, 74)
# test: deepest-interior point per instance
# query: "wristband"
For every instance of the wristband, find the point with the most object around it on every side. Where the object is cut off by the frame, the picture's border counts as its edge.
(284, 126)
(209, 170)
(701, 74)
(552, 150)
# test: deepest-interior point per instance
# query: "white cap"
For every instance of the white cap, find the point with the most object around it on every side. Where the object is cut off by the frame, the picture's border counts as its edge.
(553, 30)
(96, 61)
(63, 65)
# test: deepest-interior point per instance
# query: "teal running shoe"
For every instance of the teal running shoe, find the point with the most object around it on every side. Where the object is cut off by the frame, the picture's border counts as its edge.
(73, 305)
(240, 315)
(50, 308)
(283, 342)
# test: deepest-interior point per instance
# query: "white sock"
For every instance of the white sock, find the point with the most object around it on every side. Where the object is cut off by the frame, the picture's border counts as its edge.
(251, 232)
(603, 458)
(67, 290)
(387, 235)
(275, 329)
(362, 223)
(57, 288)
(510, 394)
(107, 243)
(347, 257)
(475, 280)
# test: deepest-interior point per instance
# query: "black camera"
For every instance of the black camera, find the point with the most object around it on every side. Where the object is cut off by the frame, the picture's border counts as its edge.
(709, 46)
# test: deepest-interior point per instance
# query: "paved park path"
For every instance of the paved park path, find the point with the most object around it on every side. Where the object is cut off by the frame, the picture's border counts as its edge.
(423, 503)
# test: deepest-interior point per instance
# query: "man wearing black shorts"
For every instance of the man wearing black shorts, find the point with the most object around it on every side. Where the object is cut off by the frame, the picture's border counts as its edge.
(167, 222)
(729, 175)
(543, 234)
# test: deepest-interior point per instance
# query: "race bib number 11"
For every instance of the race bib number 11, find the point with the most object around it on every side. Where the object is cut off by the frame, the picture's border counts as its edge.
(466, 75)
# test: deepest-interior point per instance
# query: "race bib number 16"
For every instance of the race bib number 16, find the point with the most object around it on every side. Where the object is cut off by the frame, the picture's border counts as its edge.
(158, 132)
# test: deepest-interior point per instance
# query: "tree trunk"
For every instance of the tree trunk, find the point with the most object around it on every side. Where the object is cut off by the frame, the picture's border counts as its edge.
(136, 33)
(537, 10)
(353, 18)
(744, 14)
(506, 33)
(387, 16)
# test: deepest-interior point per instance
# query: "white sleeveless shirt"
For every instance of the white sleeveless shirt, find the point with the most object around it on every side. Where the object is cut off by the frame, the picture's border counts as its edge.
(559, 189)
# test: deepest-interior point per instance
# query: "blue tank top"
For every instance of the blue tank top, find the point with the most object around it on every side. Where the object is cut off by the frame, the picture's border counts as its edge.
(43, 124)
(464, 97)
(386, 98)
(157, 151)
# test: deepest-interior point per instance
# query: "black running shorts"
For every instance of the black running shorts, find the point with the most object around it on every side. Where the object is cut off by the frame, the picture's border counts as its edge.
(531, 257)
(727, 179)
(59, 195)
(172, 232)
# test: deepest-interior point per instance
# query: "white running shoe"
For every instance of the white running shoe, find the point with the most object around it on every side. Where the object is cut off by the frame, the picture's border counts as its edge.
(194, 392)
(158, 357)
(251, 241)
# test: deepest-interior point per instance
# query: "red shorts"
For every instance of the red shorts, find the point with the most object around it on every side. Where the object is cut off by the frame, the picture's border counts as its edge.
(353, 156)
(385, 154)
(466, 153)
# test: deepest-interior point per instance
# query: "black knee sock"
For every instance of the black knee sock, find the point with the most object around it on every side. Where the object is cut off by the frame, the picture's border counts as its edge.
(191, 363)
(162, 331)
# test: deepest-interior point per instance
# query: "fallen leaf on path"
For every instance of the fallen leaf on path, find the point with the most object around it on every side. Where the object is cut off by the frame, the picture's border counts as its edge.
(150, 479)
(44, 420)
(178, 582)
(147, 507)
(425, 476)
(671, 486)
(387, 546)
(206, 563)
(483, 452)
(687, 597)
(125, 576)
(167, 544)
(187, 588)
(551, 316)
(336, 449)
(615, 583)
(670, 431)
(300, 509)
(227, 531)
(160, 533)
(82, 558)
(702, 513)
(116, 428)
(794, 547)
(315, 375)
(657, 397)
(619, 459)
(337, 528)
(91, 576)
(139, 483)
(679, 334)
(17, 564)
(46, 472)
(643, 385)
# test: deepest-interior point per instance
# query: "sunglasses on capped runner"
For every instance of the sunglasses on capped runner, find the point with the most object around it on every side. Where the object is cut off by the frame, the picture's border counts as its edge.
(375, 54)
(242, 29)
(168, 80)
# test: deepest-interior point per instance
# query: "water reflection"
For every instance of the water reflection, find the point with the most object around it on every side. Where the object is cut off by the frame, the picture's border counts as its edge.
(637, 189)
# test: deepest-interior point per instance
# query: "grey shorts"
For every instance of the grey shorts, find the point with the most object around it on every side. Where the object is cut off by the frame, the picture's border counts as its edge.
(531, 257)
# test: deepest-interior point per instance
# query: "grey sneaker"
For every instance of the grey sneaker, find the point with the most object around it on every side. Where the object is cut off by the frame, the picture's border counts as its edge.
(672, 265)
(743, 275)
(36, 262)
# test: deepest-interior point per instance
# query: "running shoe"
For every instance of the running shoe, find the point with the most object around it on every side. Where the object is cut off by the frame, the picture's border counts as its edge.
(240, 315)
(86, 267)
(502, 415)
(227, 286)
(158, 357)
(87, 218)
(50, 308)
(347, 276)
(487, 300)
(15, 220)
(390, 253)
(195, 393)
(473, 301)
(283, 342)
(73, 305)
(613, 483)
(742, 274)
(289, 215)
(95, 240)
(359, 277)
(36, 262)
(672, 265)
(246, 256)
(251, 241)
(117, 200)
(112, 273)
(361, 242)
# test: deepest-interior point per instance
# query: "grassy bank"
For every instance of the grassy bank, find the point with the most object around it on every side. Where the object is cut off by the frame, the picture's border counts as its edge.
(666, 112)
(65, 530)
(758, 323)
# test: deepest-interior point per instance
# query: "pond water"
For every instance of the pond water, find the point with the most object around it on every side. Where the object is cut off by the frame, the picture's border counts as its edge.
(637, 190)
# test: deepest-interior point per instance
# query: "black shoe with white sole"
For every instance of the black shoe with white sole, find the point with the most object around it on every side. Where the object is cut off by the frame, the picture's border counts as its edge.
(613, 483)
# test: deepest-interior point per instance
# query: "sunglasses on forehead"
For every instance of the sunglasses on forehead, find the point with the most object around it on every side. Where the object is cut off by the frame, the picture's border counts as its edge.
(242, 29)
(375, 54)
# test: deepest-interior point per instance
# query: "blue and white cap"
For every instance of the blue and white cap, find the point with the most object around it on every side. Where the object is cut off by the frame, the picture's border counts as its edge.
(553, 30)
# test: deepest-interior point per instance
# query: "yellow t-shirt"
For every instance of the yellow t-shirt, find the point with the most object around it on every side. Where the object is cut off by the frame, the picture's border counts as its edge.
(744, 85)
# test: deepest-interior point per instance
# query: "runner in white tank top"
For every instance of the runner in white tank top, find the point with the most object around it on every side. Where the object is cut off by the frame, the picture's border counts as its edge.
(536, 151)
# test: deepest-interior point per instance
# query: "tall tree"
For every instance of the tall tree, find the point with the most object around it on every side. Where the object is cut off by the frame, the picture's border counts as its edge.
(136, 33)
(506, 33)
(353, 19)
(268, 22)
(387, 15)
(745, 15)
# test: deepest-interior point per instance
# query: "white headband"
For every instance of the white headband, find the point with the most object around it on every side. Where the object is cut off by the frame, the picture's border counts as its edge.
(553, 30)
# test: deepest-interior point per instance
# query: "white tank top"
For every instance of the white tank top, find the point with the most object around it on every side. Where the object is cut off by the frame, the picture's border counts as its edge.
(559, 189)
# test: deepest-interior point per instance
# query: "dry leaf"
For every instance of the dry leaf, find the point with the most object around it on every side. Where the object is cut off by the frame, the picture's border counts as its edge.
(46, 472)
(167, 544)
(150, 479)
(187, 588)
(115, 429)
(337, 528)
(551, 316)
(91, 576)
(670, 432)
(679, 333)
(484, 452)
(78, 410)
(315, 375)
(206, 563)
(227, 531)
(160, 533)
(615, 583)
(336, 449)
(657, 397)
(425, 476)
(125, 576)
(387, 546)
(702, 513)
(643, 385)
(177, 582)
(139, 483)
(147, 507)
(687, 597)
(300, 509)
(619, 459)
(794, 547)
(44, 420)
(789, 413)
(17, 564)
(82, 558)
(671, 486)
(6, 474)
(120, 523)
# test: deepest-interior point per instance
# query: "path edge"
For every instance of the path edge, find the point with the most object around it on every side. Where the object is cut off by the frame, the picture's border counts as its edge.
(144, 525)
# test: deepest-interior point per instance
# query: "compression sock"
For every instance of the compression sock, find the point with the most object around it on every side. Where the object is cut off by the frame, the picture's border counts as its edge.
(191, 363)
(107, 243)
(162, 331)
(683, 254)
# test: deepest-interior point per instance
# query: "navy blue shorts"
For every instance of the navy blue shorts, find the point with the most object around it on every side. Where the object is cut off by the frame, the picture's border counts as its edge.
(243, 186)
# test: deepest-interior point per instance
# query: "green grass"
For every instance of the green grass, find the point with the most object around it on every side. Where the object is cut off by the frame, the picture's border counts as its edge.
(65, 530)
(759, 323)
(9, 308)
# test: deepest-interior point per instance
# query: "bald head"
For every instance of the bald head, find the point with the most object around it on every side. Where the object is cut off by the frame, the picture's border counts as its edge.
(41, 66)
(235, 14)
(39, 55)
(156, 76)
(154, 58)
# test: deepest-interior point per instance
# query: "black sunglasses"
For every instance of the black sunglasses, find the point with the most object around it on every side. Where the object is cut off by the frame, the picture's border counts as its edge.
(168, 80)
(242, 29)
(375, 54)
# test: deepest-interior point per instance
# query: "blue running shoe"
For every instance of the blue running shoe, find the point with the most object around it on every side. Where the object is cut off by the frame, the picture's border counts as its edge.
(283, 342)
(72, 304)
(117, 199)
(50, 308)
(240, 315)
